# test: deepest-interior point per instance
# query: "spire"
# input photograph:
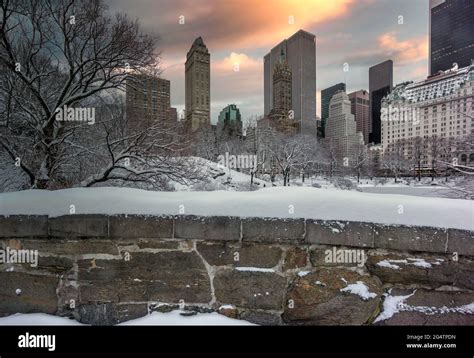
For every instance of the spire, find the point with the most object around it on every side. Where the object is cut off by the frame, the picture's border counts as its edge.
(198, 42)
(282, 55)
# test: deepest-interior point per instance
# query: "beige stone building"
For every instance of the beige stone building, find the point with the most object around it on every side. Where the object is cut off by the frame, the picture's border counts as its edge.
(198, 85)
(341, 132)
(282, 115)
(431, 121)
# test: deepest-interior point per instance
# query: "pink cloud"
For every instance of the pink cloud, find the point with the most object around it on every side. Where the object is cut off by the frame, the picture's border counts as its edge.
(407, 51)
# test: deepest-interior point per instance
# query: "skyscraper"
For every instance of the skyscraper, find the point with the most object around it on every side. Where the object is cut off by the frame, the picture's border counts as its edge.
(147, 100)
(198, 85)
(326, 95)
(300, 51)
(341, 132)
(360, 108)
(380, 84)
(451, 34)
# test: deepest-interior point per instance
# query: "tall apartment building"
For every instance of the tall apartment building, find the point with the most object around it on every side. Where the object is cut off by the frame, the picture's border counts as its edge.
(198, 85)
(147, 100)
(341, 133)
(360, 108)
(300, 50)
(326, 95)
(429, 121)
(451, 34)
(380, 85)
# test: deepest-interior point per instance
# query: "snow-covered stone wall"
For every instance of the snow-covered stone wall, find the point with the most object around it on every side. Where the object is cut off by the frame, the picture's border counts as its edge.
(104, 269)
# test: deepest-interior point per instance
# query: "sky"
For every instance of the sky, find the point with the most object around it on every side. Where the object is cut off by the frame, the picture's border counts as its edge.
(359, 33)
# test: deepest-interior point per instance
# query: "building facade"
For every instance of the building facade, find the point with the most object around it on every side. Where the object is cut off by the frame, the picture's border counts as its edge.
(173, 114)
(341, 134)
(282, 115)
(198, 85)
(300, 51)
(229, 122)
(431, 123)
(360, 108)
(326, 95)
(147, 100)
(451, 34)
(380, 85)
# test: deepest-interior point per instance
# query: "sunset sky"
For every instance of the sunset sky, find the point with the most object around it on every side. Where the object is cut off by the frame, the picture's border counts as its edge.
(358, 32)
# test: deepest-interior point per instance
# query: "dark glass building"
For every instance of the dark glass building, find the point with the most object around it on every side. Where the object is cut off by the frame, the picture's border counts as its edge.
(326, 95)
(451, 34)
(230, 121)
(380, 84)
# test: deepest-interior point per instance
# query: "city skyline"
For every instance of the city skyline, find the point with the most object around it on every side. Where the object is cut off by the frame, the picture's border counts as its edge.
(343, 35)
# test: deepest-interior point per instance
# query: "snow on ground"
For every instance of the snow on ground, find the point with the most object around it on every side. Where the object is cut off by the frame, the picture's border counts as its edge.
(173, 318)
(277, 202)
(37, 319)
(219, 177)
(426, 191)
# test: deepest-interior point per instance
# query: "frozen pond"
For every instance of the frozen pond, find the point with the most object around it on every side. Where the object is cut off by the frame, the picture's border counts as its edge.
(426, 191)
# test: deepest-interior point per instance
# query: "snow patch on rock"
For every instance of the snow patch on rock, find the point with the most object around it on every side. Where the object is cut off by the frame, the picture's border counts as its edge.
(360, 289)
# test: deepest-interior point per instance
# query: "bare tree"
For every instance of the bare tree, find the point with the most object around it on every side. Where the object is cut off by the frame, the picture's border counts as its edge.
(360, 160)
(288, 152)
(394, 160)
(418, 153)
(333, 158)
(435, 153)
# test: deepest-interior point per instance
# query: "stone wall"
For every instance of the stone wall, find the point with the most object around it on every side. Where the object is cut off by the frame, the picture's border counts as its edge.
(108, 269)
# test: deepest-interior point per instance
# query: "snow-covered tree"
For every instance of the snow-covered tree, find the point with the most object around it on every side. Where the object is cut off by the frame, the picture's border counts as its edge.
(146, 157)
(288, 152)
(56, 54)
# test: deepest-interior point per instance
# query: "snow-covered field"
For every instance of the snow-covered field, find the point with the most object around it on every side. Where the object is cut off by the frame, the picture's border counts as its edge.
(173, 318)
(425, 191)
(218, 177)
(278, 202)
